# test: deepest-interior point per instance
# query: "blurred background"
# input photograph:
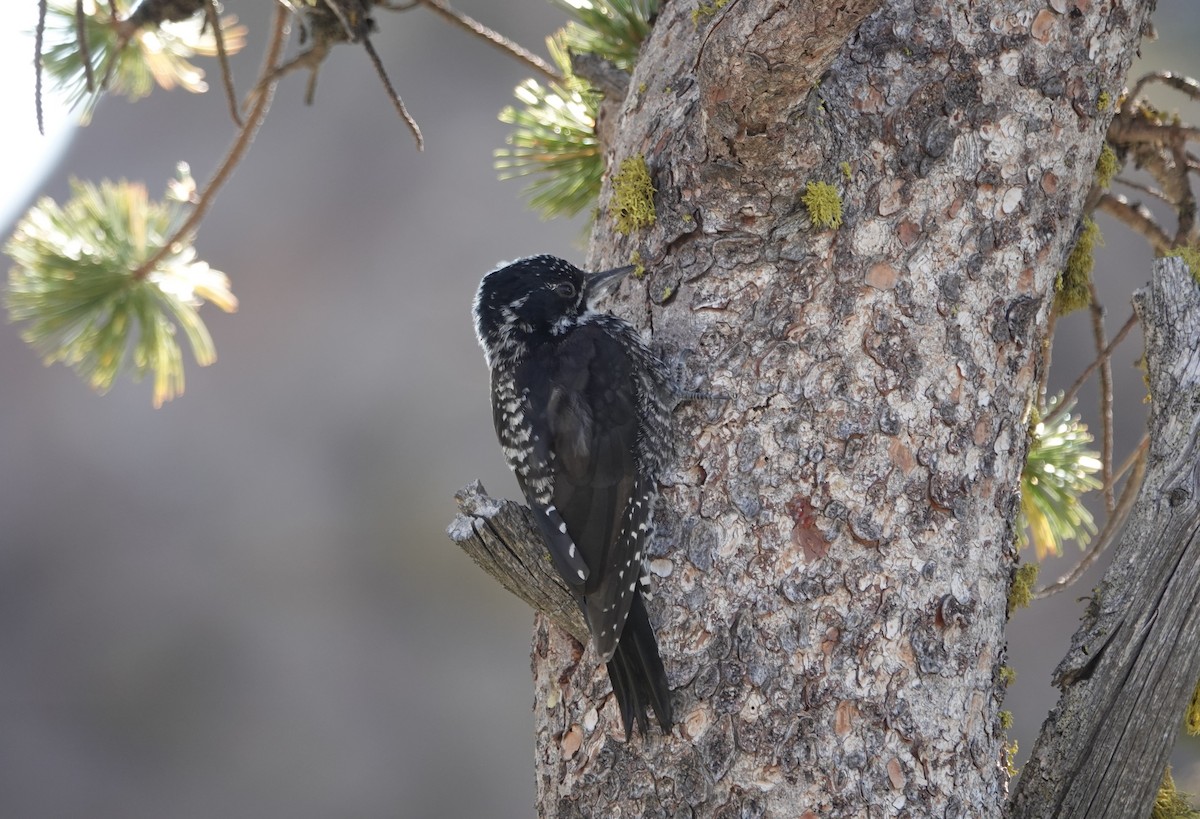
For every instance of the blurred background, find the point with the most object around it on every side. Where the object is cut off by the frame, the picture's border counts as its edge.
(244, 604)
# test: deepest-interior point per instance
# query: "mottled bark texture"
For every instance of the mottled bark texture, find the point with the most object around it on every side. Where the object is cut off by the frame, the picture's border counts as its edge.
(835, 545)
(1133, 662)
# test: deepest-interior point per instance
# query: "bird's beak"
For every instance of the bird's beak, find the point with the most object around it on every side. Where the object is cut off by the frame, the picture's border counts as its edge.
(599, 285)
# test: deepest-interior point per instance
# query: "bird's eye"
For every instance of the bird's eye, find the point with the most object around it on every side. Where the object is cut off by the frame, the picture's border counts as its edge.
(565, 289)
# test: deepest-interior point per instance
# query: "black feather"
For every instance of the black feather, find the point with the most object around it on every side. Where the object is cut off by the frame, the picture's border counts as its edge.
(637, 674)
(579, 410)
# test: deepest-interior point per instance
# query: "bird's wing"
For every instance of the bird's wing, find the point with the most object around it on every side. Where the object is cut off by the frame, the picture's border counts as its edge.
(591, 414)
(524, 434)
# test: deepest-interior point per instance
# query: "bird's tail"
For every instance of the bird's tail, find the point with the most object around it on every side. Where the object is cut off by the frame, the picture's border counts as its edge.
(637, 674)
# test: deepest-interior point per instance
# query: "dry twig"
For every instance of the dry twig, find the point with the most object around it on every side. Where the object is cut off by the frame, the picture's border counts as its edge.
(237, 150)
(1104, 355)
(38, 36)
(84, 53)
(1136, 217)
(396, 101)
(1106, 398)
(489, 36)
(210, 10)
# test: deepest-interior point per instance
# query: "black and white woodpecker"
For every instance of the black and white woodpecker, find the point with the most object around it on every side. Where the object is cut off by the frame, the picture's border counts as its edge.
(583, 412)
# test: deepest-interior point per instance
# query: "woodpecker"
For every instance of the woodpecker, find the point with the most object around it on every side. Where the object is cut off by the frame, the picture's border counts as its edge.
(582, 409)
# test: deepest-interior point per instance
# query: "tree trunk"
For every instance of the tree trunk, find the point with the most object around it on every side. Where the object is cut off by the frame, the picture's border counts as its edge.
(835, 547)
(1133, 662)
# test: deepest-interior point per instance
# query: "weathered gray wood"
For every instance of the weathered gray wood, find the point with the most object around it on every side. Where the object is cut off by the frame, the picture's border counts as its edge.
(1135, 659)
(500, 536)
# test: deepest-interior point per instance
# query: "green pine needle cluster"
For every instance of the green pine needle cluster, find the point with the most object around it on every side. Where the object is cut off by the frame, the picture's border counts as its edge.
(554, 127)
(1059, 469)
(132, 60)
(612, 29)
(78, 286)
(554, 140)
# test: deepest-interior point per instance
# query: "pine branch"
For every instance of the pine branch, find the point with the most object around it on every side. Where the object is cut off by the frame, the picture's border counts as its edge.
(1133, 667)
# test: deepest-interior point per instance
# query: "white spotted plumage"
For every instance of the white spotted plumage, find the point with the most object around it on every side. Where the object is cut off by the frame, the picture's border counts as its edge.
(582, 410)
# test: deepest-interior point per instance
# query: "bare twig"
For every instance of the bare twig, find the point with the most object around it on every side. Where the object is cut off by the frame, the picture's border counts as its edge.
(1131, 459)
(1104, 355)
(495, 38)
(38, 36)
(124, 35)
(210, 10)
(352, 33)
(1129, 131)
(396, 101)
(1137, 218)
(82, 40)
(310, 59)
(1158, 159)
(1106, 398)
(1158, 145)
(324, 36)
(353, 28)
(1143, 188)
(1112, 525)
(1186, 206)
(237, 150)
(310, 87)
(1185, 85)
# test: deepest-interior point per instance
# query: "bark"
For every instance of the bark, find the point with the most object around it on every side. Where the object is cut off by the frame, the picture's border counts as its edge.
(834, 548)
(502, 538)
(1133, 662)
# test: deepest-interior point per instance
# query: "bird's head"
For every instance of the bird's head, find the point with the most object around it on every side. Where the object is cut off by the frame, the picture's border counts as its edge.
(535, 297)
